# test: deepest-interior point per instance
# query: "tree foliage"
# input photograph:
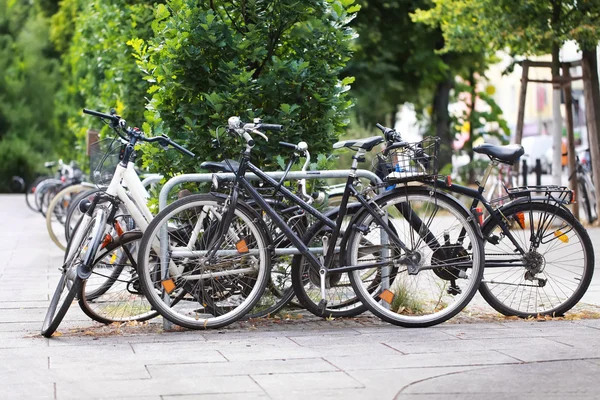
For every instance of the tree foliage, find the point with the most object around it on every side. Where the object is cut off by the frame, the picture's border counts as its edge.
(98, 67)
(276, 59)
(526, 27)
(28, 81)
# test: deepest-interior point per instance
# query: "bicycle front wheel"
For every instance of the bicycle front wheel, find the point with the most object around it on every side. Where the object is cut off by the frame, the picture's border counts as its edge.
(552, 275)
(437, 274)
(69, 282)
(186, 286)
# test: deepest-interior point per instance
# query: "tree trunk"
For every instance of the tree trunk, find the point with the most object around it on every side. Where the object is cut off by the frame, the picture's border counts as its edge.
(472, 121)
(441, 121)
(592, 113)
(557, 131)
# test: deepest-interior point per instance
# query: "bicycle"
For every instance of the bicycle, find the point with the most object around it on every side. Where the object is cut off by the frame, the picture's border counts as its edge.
(99, 220)
(586, 189)
(226, 245)
(532, 244)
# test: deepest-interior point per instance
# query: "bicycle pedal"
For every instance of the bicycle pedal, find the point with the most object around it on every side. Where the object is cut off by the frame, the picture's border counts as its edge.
(322, 306)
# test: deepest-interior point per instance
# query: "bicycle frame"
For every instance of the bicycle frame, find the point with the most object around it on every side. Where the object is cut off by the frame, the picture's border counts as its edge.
(478, 197)
(323, 268)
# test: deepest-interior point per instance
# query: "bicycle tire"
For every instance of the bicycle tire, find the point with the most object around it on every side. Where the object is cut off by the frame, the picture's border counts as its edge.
(50, 214)
(207, 301)
(61, 301)
(342, 302)
(74, 213)
(30, 191)
(279, 291)
(116, 296)
(518, 227)
(405, 302)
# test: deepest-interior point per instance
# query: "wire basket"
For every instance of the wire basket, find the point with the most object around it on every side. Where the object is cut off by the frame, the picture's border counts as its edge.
(412, 162)
(104, 158)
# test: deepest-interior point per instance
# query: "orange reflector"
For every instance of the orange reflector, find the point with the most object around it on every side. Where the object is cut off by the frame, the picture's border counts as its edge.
(561, 236)
(118, 228)
(520, 218)
(573, 197)
(387, 296)
(169, 285)
(479, 215)
(106, 241)
(242, 246)
(448, 180)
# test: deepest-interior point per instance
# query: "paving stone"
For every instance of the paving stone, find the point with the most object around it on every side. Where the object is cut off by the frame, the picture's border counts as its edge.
(278, 384)
(378, 362)
(535, 378)
(118, 389)
(475, 345)
(232, 368)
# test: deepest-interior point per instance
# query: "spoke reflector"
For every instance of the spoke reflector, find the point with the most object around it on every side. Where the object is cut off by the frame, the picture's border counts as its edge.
(387, 296)
(169, 285)
(561, 236)
(242, 246)
(520, 218)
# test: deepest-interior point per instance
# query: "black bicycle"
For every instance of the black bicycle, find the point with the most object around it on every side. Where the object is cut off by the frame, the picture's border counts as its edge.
(414, 256)
(539, 259)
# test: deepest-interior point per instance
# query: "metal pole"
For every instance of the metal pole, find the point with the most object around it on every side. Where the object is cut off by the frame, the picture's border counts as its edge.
(570, 136)
(525, 172)
(293, 175)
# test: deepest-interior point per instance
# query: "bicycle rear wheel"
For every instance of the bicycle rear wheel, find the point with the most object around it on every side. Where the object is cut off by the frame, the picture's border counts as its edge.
(445, 258)
(550, 278)
(187, 288)
(113, 293)
(340, 296)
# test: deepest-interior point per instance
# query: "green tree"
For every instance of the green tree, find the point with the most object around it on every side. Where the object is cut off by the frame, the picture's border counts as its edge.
(397, 60)
(274, 59)
(28, 81)
(98, 68)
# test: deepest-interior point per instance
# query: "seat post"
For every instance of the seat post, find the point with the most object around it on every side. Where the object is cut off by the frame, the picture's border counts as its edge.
(493, 164)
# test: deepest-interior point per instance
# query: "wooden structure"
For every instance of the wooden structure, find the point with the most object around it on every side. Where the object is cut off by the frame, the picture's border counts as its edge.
(564, 81)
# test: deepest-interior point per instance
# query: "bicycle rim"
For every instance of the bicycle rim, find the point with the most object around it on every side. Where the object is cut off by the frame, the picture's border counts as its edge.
(192, 291)
(547, 280)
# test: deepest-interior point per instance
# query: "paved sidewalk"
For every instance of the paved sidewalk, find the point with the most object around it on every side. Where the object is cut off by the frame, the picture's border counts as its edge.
(303, 358)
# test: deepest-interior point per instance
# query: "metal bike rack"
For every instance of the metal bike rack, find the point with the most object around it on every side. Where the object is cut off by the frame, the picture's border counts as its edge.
(292, 175)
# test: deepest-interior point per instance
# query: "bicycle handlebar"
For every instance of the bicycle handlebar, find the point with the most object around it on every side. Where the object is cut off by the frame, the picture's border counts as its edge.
(114, 118)
(163, 140)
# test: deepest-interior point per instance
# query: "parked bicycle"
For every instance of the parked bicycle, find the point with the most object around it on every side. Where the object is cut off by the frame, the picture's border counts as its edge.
(98, 228)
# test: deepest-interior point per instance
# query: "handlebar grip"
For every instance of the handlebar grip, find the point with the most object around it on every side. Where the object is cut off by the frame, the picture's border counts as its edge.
(101, 115)
(290, 145)
(181, 149)
(380, 127)
(270, 127)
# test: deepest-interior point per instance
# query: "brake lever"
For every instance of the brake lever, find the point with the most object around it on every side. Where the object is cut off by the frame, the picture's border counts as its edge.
(256, 131)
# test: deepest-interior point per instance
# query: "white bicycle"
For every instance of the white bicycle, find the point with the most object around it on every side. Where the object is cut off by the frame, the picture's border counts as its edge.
(100, 241)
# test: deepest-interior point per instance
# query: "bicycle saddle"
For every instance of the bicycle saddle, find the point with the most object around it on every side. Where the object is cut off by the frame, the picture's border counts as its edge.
(506, 154)
(220, 166)
(367, 143)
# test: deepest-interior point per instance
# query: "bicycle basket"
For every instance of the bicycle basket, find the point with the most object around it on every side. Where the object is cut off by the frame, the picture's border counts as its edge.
(104, 158)
(413, 162)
